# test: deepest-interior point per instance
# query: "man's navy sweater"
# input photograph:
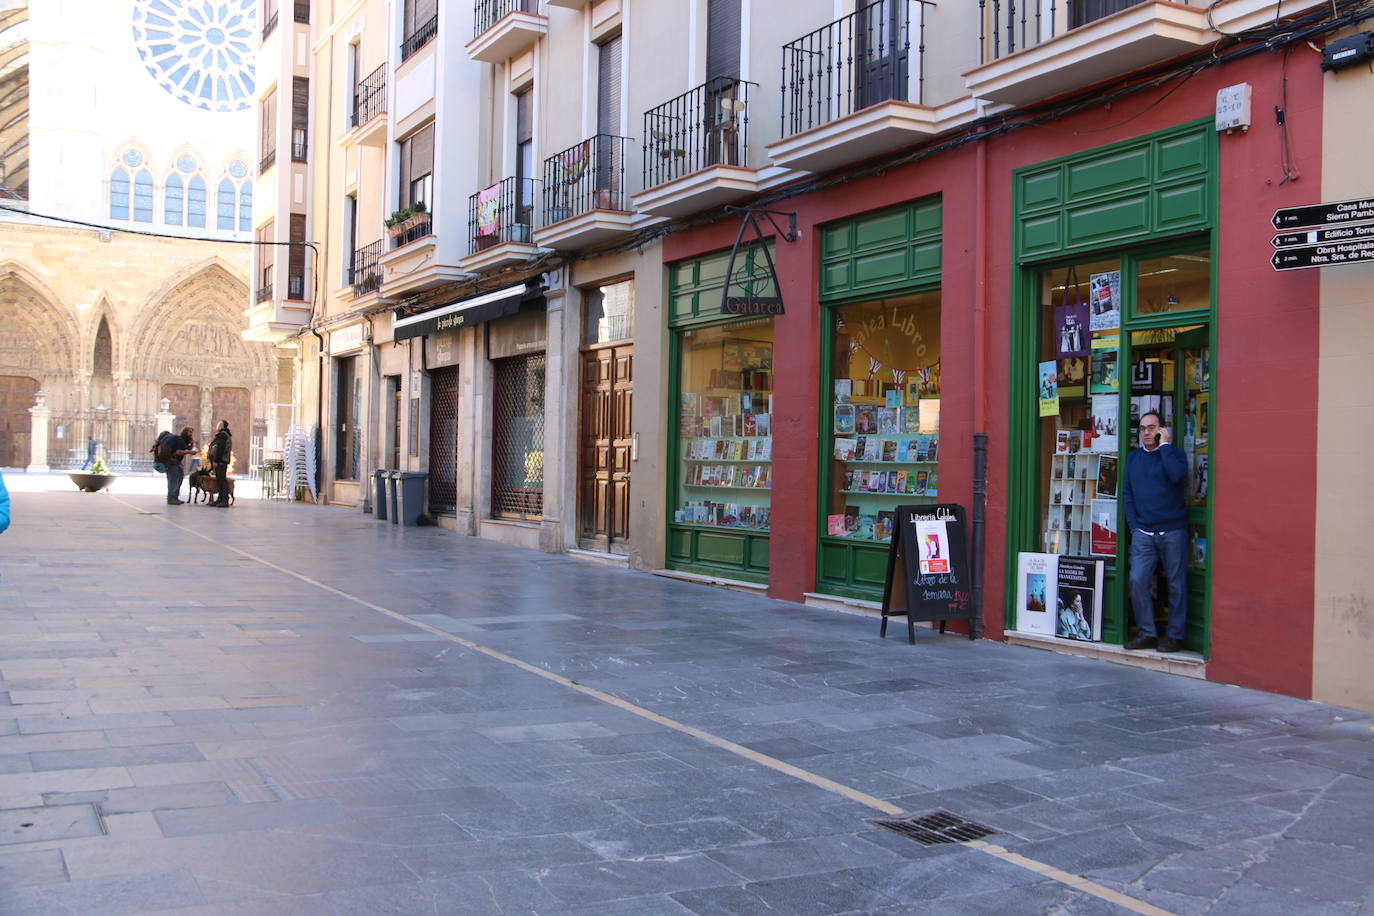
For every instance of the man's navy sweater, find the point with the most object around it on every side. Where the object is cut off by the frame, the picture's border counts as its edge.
(1154, 489)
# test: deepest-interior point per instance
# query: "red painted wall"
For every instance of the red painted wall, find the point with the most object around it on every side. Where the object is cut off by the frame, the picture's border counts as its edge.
(1264, 368)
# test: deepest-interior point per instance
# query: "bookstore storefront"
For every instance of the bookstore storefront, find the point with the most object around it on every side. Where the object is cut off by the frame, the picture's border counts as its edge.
(720, 470)
(1113, 318)
(880, 425)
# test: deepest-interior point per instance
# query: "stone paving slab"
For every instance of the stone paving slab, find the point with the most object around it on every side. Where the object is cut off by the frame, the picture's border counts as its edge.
(220, 736)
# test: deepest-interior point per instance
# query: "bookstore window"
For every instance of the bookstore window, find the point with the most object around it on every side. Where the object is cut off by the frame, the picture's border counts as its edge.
(725, 435)
(1078, 388)
(885, 413)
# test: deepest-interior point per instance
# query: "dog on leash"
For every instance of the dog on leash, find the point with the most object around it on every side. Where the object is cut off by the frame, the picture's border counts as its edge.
(204, 487)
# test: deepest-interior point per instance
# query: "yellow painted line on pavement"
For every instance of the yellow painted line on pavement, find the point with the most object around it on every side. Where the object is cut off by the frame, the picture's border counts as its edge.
(1077, 882)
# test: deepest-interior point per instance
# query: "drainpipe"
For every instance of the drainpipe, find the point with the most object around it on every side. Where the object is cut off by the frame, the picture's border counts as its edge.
(980, 436)
(319, 416)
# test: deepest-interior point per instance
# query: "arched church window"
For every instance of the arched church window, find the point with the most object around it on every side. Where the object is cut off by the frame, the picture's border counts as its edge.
(195, 202)
(143, 197)
(174, 200)
(246, 207)
(103, 358)
(224, 211)
(119, 193)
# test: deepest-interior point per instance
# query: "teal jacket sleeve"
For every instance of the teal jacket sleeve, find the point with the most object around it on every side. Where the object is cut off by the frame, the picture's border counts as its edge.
(4, 505)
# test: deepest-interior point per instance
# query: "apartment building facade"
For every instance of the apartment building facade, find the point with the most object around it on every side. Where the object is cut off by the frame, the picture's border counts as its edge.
(650, 264)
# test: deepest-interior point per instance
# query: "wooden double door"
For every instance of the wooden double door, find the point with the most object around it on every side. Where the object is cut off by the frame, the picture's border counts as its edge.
(17, 395)
(606, 447)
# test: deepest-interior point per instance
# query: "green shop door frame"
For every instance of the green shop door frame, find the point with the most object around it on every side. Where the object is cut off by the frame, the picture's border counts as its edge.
(1142, 198)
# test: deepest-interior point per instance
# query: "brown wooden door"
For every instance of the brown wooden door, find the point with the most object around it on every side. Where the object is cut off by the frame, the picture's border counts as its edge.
(606, 448)
(185, 405)
(16, 397)
(234, 405)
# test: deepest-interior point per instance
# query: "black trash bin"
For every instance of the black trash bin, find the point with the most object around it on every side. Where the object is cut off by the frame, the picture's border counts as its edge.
(410, 490)
(393, 513)
(379, 495)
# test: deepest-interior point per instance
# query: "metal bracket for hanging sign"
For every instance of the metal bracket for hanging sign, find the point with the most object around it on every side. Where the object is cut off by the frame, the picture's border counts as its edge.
(752, 278)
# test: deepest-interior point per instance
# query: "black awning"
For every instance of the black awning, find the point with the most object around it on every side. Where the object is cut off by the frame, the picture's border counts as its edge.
(468, 312)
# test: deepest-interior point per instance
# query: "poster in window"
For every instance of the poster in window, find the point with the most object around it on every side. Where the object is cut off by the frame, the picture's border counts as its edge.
(1078, 599)
(1106, 422)
(1071, 330)
(1106, 476)
(932, 540)
(1105, 372)
(1102, 542)
(1049, 389)
(1104, 299)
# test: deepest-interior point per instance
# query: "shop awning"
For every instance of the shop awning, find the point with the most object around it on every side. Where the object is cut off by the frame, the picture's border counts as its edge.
(496, 304)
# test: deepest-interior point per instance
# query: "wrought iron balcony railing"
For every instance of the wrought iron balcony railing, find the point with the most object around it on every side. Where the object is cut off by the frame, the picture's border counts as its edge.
(264, 293)
(1008, 26)
(300, 146)
(588, 176)
(417, 227)
(486, 13)
(364, 273)
(420, 37)
(705, 126)
(369, 97)
(852, 63)
(268, 160)
(501, 213)
(295, 286)
(269, 24)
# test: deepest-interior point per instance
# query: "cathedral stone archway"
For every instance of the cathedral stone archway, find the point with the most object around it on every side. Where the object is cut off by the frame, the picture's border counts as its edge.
(16, 397)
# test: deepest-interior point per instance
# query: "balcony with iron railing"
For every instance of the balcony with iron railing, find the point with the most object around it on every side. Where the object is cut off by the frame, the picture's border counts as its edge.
(502, 29)
(417, 39)
(364, 271)
(1036, 49)
(584, 197)
(369, 98)
(855, 88)
(269, 25)
(269, 159)
(411, 229)
(696, 149)
(300, 148)
(501, 224)
(264, 293)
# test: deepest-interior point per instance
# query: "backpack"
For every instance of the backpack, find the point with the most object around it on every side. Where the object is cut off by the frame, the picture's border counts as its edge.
(162, 451)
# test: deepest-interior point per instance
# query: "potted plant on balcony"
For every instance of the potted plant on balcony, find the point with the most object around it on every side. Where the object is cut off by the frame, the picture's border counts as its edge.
(406, 219)
(97, 478)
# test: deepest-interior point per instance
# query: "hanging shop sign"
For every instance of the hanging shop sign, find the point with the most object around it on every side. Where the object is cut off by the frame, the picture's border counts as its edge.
(928, 575)
(467, 312)
(751, 278)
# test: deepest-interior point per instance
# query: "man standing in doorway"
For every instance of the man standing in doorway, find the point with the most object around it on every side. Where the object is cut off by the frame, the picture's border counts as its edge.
(1157, 512)
(221, 448)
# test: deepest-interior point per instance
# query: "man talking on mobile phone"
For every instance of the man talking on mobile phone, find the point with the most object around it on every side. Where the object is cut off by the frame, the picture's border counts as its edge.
(1155, 493)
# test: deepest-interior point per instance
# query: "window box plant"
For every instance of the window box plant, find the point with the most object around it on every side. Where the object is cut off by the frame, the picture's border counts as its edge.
(406, 219)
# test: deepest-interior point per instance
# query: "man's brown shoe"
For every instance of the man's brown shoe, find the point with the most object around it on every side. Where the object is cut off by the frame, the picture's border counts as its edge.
(1142, 642)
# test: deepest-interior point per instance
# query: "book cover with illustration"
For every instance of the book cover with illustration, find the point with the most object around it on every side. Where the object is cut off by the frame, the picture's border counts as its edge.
(865, 419)
(844, 419)
(845, 449)
(1035, 577)
(930, 415)
(1049, 388)
(911, 418)
(889, 420)
(834, 525)
(889, 450)
(1078, 599)
(1071, 330)
(1105, 373)
(922, 480)
(873, 449)
(866, 525)
(932, 539)
(844, 390)
(1102, 543)
(1106, 476)
(1104, 300)
(892, 397)
(1106, 422)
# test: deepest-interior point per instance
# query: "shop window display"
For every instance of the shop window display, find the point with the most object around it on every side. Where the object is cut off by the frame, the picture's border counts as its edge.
(884, 415)
(725, 434)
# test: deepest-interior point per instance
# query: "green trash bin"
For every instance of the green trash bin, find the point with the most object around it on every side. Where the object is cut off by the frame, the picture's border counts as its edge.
(410, 490)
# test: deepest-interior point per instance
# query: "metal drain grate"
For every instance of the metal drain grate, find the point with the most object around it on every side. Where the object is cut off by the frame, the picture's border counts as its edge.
(936, 827)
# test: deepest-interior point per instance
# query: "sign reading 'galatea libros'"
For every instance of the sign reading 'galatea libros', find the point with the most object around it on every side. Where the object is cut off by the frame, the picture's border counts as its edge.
(751, 305)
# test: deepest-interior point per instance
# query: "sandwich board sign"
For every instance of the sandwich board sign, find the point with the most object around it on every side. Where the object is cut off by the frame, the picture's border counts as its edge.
(928, 575)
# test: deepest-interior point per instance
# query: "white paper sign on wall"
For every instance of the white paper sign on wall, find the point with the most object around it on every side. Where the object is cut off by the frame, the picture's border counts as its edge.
(1233, 107)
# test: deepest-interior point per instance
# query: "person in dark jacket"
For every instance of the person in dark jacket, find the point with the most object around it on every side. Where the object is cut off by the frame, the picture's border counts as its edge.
(175, 450)
(1156, 497)
(221, 448)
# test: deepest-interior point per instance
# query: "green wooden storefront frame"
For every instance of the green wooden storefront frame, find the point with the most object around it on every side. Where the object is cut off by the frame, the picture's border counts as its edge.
(695, 288)
(1137, 199)
(891, 252)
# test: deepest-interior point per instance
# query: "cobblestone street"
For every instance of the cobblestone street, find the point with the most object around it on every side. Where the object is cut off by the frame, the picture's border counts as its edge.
(291, 709)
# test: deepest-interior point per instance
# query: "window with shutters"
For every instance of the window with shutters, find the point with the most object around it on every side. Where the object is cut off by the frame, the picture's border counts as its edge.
(300, 118)
(267, 149)
(417, 168)
(722, 39)
(295, 266)
(609, 168)
(420, 25)
(265, 257)
(524, 157)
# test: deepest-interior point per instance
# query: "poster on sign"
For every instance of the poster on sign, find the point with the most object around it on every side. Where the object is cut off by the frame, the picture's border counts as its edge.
(928, 576)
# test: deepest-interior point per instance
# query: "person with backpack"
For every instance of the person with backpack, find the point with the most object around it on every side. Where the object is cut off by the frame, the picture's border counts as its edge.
(221, 449)
(169, 452)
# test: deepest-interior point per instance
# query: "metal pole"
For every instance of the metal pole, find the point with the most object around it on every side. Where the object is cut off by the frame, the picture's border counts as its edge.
(980, 504)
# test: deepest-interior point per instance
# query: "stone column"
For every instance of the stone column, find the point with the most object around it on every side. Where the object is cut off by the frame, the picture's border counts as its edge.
(165, 417)
(39, 415)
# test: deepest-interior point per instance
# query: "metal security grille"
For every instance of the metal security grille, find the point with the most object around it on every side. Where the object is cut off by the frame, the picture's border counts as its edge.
(935, 828)
(517, 476)
(443, 440)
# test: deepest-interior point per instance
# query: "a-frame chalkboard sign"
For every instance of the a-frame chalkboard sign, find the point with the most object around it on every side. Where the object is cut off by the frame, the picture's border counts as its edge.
(927, 568)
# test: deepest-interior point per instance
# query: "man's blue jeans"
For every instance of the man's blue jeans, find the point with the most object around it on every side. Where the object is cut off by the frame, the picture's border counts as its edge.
(173, 481)
(1148, 550)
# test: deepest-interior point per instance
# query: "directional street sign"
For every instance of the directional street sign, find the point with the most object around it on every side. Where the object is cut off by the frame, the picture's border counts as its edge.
(1317, 236)
(1336, 213)
(1361, 251)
